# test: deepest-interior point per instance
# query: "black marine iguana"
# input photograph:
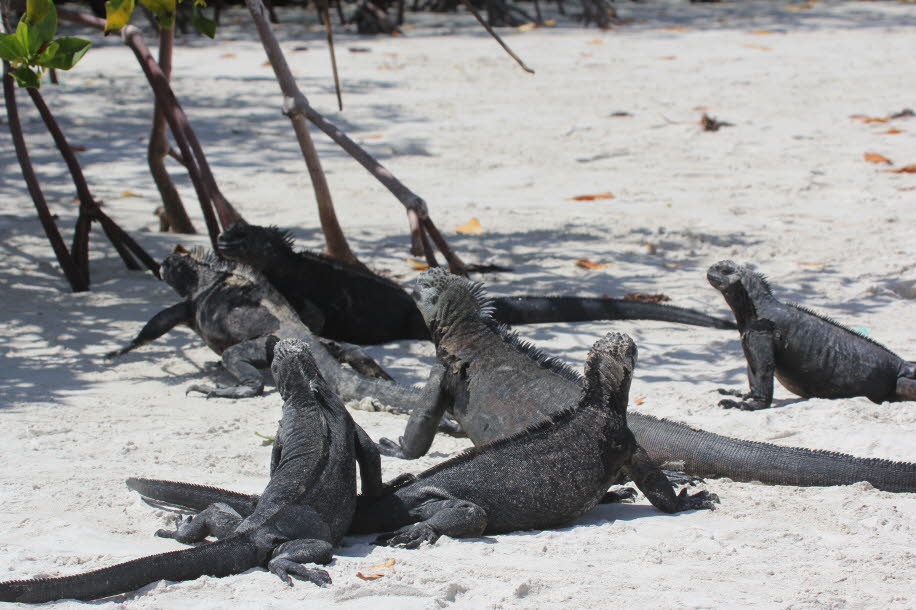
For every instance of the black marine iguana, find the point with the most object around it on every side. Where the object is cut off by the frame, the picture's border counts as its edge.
(236, 311)
(305, 510)
(810, 355)
(494, 384)
(542, 477)
(348, 303)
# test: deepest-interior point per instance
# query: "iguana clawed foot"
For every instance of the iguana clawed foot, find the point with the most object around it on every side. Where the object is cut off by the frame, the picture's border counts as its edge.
(284, 568)
(617, 496)
(702, 500)
(748, 401)
(231, 391)
(409, 536)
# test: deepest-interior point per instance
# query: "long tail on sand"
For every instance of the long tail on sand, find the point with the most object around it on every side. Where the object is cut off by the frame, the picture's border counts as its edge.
(220, 558)
(539, 310)
(677, 446)
(190, 496)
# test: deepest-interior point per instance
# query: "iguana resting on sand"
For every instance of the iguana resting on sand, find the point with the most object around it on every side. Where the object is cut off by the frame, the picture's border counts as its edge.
(810, 355)
(348, 303)
(236, 311)
(495, 384)
(305, 510)
(542, 477)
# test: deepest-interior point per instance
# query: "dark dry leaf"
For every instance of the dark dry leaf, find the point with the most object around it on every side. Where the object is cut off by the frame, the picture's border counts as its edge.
(713, 124)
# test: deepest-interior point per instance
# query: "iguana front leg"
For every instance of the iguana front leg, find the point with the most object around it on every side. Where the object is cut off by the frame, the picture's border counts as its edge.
(353, 355)
(655, 485)
(161, 323)
(451, 517)
(759, 345)
(219, 520)
(242, 360)
(424, 419)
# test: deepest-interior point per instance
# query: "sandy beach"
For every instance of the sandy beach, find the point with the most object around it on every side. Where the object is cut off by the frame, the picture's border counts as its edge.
(785, 187)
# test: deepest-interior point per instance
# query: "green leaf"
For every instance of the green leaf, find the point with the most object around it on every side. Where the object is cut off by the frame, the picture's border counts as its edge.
(164, 10)
(42, 27)
(11, 49)
(36, 10)
(26, 77)
(22, 35)
(69, 51)
(201, 23)
(117, 14)
(47, 54)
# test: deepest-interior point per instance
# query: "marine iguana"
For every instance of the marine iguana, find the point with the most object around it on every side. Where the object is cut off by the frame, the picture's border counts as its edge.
(495, 384)
(348, 303)
(236, 311)
(305, 510)
(810, 354)
(544, 476)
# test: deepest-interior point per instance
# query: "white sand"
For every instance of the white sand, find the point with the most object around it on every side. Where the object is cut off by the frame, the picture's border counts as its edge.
(786, 188)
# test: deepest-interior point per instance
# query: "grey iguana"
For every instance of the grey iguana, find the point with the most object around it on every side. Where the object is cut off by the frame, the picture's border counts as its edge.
(495, 384)
(348, 303)
(305, 510)
(541, 477)
(810, 354)
(236, 311)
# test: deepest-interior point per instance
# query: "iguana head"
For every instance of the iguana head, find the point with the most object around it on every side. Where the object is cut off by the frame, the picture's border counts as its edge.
(608, 372)
(444, 299)
(293, 367)
(741, 286)
(254, 245)
(186, 271)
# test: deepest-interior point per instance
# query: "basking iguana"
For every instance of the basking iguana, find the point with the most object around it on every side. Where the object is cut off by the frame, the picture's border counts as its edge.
(305, 510)
(810, 355)
(348, 303)
(541, 477)
(236, 311)
(494, 384)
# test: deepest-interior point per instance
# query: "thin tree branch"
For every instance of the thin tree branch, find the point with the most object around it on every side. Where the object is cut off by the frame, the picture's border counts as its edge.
(71, 272)
(492, 33)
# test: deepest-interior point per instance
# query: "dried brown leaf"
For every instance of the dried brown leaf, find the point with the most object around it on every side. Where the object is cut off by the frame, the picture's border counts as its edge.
(388, 563)
(130, 194)
(906, 169)
(872, 157)
(668, 265)
(418, 265)
(78, 148)
(471, 227)
(639, 401)
(892, 130)
(592, 197)
(372, 576)
(587, 264)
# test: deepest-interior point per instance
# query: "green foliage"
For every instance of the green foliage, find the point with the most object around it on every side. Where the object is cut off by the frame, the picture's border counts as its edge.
(31, 49)
(202, 24)
(118, 12)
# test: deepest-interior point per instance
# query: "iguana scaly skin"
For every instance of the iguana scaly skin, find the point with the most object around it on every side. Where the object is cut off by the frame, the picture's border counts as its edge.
(305, 510)
(542, 477)
(236, 311)
(810, 354)
(495, 385)
(348, 303)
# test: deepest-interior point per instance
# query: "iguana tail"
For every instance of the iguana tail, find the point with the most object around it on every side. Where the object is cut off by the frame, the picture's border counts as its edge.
(680, 447)
(231, 556)
(538, 310)
(190, 496)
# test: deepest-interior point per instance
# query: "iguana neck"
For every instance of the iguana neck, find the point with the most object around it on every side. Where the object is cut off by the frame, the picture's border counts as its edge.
(746, 299)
